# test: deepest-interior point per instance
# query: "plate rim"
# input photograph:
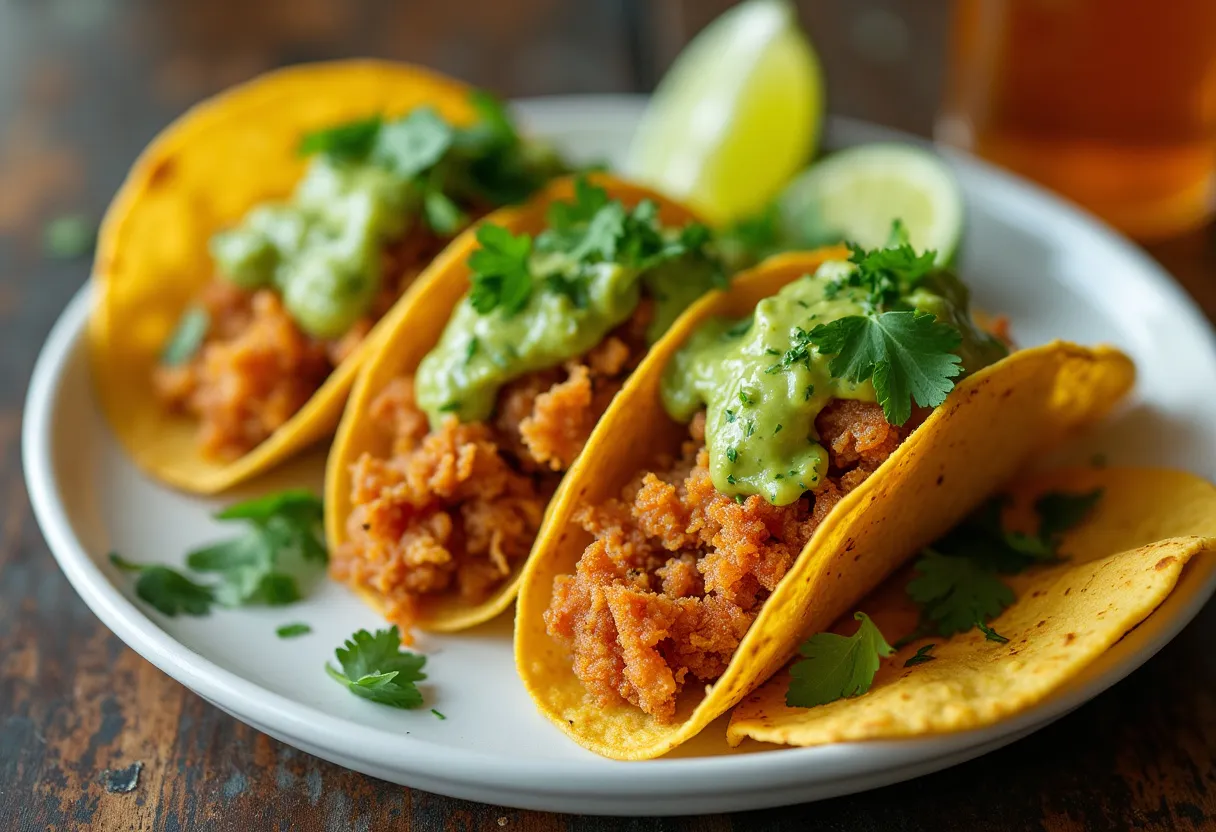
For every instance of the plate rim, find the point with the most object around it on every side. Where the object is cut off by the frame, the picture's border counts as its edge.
(541, 783)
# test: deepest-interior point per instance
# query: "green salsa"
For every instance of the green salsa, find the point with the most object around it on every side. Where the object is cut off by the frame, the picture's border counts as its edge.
(367, 184)
(763, 382)
(572, 305)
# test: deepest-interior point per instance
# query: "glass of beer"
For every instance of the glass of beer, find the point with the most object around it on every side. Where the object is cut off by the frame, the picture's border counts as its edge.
(1110, 102)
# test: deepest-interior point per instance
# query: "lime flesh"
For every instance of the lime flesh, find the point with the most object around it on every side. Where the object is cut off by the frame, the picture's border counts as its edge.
(736, 116)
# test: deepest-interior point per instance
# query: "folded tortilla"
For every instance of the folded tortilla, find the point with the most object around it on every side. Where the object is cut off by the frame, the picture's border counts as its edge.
(990, 425)
(1119, 566)
(415, 329)
(200, 175)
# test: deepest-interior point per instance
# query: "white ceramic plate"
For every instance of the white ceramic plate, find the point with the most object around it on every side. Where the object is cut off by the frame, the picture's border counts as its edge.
(1054, 271)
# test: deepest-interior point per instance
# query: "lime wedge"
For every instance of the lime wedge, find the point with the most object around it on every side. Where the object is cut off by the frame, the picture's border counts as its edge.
(856, 193)
(736, 116)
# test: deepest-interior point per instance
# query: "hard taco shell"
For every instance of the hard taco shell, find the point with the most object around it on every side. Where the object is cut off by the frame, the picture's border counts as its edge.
(1146, 533)
(416, 327)
(200, 175)
(989, 426)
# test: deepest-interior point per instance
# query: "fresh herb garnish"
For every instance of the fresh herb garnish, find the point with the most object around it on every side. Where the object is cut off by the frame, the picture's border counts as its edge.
(500, 274)
(738, 329)
(909, 355)
(187, 338)
(471, 350)
(415, 143)
(375, 667)
(835, 667)
(991, 634)
(352, 141)
(777, 429)
(732, 454)
(575, 288)
(922, 656)
(436, 713)
(449, 407)
(958, 580)
(249, 567)
(293, 630)
(167, 590)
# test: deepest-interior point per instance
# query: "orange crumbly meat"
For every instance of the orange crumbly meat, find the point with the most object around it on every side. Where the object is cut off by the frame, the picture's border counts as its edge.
(677, 571)
(452, 511)
(257, 368)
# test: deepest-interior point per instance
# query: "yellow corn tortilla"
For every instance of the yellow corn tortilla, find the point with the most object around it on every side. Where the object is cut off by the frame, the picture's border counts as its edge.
(423, 315)
(1122, 563)
(202, 174)
(987, 429)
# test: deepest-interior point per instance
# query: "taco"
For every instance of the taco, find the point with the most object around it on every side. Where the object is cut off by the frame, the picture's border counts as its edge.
(247, 264)
(1142, 534)
(779, 452)
(487, 386)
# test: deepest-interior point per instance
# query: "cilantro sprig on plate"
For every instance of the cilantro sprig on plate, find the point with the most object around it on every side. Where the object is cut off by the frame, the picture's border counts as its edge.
(907, 354)
(281, 538)
(374, 667)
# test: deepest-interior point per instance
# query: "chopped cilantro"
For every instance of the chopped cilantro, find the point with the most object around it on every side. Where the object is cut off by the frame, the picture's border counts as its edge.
(730, 415)
(375, 667)
(167, 590)
(575, 288)
(744, 398)
(738, 329)
(187, 338)
(293, 630)
(346, 142)
(415, 143)
(906, 354)
(740, 499)
(991, 634)
(449, 407)
(1058, 512)
(500, 274)
(835, 667)
(732, 454)
(436, 713)
(730, 478)
(922, 656)
(751, 428)
(471, 350)
(810, 391)
(777, 429)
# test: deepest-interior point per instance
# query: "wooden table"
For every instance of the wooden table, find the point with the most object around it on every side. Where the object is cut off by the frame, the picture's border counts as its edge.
(83, 85)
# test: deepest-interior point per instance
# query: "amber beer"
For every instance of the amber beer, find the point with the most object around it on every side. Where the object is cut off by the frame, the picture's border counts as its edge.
(1110, 102)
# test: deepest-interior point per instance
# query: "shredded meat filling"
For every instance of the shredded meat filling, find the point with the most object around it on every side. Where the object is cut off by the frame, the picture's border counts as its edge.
(677, 571)
(452, 511)
(257, 368)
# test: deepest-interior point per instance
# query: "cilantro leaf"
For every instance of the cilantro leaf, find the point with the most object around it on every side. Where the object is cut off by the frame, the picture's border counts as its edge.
(955, 592)
(1059, 511)
(922, 656)
(293, 630)
(375, 667)
(908, 355)
(167, 590)
(442, 214)
(348, 142)
(415, 143)
(298, 503)
(187, 337)
(834, 667)
(500, 274)
(588, 200)
(575, 288)
(991, 634)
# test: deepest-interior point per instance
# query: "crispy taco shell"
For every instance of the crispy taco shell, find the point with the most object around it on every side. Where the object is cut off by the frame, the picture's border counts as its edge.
(1145, 536)
(200, 175)
(415, 329)
(989, 426)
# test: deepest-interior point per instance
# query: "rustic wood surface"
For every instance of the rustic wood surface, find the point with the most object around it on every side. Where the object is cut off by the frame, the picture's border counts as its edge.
(85, 83)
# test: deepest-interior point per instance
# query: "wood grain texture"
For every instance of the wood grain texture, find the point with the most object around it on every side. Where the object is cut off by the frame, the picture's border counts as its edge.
(84, 85)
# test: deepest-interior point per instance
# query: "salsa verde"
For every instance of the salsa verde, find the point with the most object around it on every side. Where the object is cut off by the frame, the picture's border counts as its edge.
(763, 383)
